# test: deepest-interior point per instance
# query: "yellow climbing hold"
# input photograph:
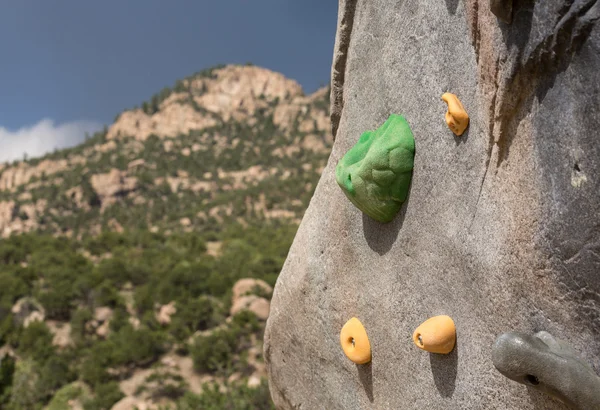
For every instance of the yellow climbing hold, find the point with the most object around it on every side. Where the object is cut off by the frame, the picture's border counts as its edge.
(436, 335)
(355, 342)
(456, 116)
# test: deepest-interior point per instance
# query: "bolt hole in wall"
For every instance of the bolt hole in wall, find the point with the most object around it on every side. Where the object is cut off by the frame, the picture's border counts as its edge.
(576, 167)
(531, 379)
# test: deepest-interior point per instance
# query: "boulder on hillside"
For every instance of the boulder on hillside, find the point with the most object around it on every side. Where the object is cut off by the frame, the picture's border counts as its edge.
(257, 305)
(27, 310)
(501, 229)
(247, 294)
(165, 312)
(253, 381)
(112, 185)
(103, 330)
(103, 314)
(61, 332)
(101, 323)
(249, 285)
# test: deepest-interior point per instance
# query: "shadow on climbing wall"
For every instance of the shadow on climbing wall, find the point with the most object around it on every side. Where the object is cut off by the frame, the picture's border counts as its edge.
(381, 237)
(554, 50)
(517, 33)
(365, 374)
(452, 5)
(518, 86)
(444, 368)
(462, 139)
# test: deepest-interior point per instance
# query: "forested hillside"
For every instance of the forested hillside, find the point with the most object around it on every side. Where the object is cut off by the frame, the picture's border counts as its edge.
(136, 268)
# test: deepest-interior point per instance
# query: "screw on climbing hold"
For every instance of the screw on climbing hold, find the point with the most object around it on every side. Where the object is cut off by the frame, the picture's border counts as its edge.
(375, 173)
(456, 116)
(548, 365)
(436, 335)
(355, 342)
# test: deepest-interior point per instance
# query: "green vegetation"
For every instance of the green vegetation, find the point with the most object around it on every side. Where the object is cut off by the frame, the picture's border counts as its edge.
(237, 397)
(7, 371)
(159, 269)
(73, 391)
(218, 352)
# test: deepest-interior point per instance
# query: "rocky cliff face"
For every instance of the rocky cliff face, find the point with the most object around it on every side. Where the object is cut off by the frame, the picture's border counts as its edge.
(229, 92)
(502, 226)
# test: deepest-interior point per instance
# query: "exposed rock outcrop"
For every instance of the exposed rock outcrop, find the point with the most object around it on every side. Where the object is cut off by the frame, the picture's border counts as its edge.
(230, 92)
(247, 295)
(248, 286)
(170, 122)
(12, 177)
(26, 311)
(163, 316)
(103, 314)
(238, 91)
(113, 185)
(501, 229)
(257, 305)
(76, 195)
(7, 214)
(101, 323)
(20, 218)
(62, 333)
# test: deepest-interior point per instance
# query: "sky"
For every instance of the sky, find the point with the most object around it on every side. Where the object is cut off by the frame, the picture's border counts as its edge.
(67, 67)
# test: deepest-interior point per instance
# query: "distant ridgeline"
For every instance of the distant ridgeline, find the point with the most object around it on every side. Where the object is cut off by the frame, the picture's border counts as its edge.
(119, 288)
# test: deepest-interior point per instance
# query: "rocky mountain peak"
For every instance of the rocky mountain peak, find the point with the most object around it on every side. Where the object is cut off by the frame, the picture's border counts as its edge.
(201, 100)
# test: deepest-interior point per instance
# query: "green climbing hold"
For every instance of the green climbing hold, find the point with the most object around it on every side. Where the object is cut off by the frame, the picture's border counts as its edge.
(375, 174)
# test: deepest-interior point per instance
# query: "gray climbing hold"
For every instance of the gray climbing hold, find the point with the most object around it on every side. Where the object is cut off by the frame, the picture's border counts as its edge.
(502, 9)
(548, 365)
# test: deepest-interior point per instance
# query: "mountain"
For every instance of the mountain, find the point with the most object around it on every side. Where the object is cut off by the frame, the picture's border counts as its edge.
(230, 143)
(136, 268)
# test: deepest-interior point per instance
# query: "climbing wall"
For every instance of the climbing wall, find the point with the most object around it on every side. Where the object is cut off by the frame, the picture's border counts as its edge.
(501, 226)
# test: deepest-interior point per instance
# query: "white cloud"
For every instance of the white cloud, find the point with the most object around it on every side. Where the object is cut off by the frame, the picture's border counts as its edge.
(43, 137)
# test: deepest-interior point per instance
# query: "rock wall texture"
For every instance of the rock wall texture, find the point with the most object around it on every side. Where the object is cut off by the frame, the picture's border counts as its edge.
(501, 230)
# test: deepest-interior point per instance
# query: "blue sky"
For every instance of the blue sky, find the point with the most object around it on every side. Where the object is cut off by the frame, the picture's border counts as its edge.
(70, 66)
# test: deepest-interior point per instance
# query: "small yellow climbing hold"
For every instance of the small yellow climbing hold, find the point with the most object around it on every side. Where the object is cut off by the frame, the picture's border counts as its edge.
(436, 335)
(456, 116)
(355, 342)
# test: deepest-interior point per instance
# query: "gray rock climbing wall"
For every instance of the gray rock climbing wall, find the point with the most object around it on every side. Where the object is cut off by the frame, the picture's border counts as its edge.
(501, 230)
